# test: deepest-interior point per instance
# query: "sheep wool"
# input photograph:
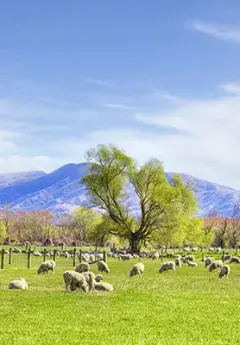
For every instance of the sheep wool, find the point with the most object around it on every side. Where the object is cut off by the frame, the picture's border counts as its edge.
(178, 262)
(90, 279)
(75, 281)
(155, 256)
(104, 286)
(103, 267)
(190, 263)
(137, 269)
(215, 265)
(82, 267)
(208, 262)
(19, 284)
(98, 278)
(46, 266)
(234, 260)
(167, 266)
(224, 272)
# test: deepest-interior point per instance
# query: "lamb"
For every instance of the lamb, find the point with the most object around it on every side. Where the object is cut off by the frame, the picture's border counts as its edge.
(155, 256)
(75, 281)
(190, 263)
(224, 272)
(103, 267)
(103, 286)
(167, 266)
(226, 257)
(137, 269)
(208, 262)
(90, 279)
(82, 267)
(234, 260)
(215, 265)
(46, 266)
(19, 284)
(98, 278)
(178, 262)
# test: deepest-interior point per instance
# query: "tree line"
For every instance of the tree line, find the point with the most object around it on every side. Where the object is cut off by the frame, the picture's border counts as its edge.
(128, 204)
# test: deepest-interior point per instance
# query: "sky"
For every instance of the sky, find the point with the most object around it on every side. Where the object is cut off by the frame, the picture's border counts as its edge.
(156, 78)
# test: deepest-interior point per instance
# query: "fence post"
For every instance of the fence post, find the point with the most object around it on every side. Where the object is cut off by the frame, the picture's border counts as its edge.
(29, 258)
(80, 256)
(54, 255)
(44, 254)
(62, 246)
(105, 256)
(2, 260)
(10, 256)
(74, 257)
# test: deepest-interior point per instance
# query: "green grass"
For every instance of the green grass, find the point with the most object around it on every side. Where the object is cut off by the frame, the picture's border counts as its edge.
(189, 306)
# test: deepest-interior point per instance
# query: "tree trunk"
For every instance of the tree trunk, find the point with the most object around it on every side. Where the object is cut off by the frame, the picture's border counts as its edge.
(134, 243)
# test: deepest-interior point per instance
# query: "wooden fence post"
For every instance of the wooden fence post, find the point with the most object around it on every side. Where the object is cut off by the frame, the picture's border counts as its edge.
(2, 260)
(54, 255)
(80, 256)
(74, 257)
(29, 258)
(10, 256)
(105, 256)
(62, 246)
(44, 254)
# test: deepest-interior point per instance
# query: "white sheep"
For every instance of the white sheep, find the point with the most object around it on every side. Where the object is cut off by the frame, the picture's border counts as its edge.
(178, 262)
(103, 286)
(19, 284)
(167, 266)
(46, 266)
(91, 257)
(16, 250)
(226, 257)
(82, 267)
(75, 281)
(124, 257)
(215, 265)
(36, 253)
(189, 258)
(208, 262)
(190, 263)
(137, 269)
(234, 260)
(103, 267)
(224, 272)
(155, 256)
(98, 278)
(90, 279)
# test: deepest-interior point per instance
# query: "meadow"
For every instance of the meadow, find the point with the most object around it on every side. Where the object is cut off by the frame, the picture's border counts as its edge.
(186, 307)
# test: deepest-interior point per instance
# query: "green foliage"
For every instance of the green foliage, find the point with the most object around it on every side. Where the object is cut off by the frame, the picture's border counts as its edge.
(85, 224)
(162, 205)
(3, 232)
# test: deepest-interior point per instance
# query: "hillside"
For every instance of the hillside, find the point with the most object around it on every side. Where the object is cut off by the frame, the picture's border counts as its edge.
(61, 192)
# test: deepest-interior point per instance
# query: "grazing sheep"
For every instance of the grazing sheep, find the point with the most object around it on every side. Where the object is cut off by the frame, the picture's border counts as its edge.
(155, 256)
(178, 262)
(91, 257)
(190, 263)
(16, 250)
(124, 257)
(226, 257)
(98, 278)
(66, 255)
(234, 260)
(224, 272)
(189, 258)
(167, 266)
(19, 284)
(82, 267)
(46, 266)
(75, 281)
(186, 249)
(103, 286)
(137, 269)
(103, 267)
(99, 256)
(215, 265)
(90, 279)
(36, 253)
(208, 262)
(135, 256)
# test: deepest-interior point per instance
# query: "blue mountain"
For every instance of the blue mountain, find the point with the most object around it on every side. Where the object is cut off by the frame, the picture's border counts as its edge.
(60, 191)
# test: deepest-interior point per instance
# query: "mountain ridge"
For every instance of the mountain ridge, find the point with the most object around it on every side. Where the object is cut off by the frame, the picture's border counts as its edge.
(60, 191)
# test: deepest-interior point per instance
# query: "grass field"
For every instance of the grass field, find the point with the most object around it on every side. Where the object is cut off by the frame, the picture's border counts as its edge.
(189, 306)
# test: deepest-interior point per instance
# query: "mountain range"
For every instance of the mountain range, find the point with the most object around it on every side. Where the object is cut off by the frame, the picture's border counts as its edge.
(61, 193)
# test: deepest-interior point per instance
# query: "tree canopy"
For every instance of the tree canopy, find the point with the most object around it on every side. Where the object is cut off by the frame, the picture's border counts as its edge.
(115, 179)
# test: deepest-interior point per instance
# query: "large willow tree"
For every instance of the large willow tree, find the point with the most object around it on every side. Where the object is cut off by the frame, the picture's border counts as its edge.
(113, 175)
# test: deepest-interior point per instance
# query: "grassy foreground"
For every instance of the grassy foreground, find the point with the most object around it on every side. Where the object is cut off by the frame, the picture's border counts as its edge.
(189, 306)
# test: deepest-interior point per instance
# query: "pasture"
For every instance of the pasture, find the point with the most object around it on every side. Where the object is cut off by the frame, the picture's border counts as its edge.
(186, 307)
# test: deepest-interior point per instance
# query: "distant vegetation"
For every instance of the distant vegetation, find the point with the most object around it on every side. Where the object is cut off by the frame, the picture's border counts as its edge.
(166, 218)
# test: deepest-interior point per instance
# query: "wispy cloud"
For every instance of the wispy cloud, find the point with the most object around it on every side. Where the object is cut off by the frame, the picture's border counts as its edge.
(233, 88)
(228, 33)
(99, 82)
(119, 106)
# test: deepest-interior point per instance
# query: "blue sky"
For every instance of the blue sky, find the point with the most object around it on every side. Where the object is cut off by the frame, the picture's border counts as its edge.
(157, 78)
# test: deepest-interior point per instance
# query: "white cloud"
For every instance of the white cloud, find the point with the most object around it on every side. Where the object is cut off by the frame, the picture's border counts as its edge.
(228, 33)
(119, 106)
(233, 88)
